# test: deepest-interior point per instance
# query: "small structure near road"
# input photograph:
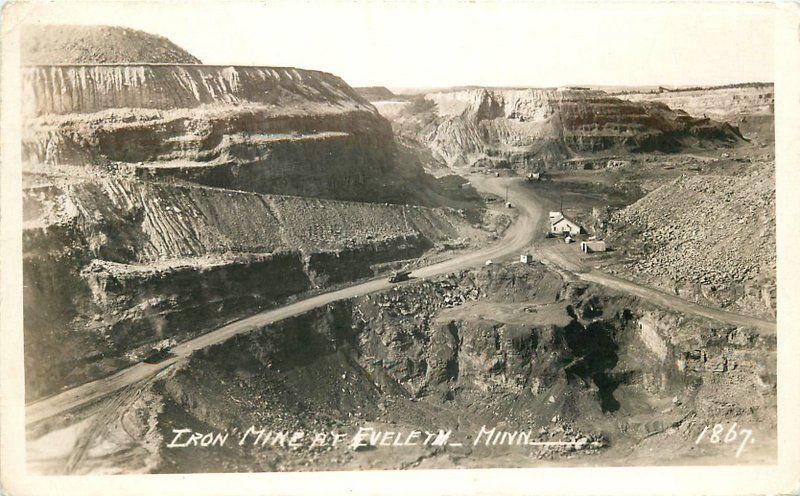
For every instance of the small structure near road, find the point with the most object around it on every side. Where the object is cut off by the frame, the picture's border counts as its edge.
(562, 225)
(594, 246)
(400, 276)
(526, 258)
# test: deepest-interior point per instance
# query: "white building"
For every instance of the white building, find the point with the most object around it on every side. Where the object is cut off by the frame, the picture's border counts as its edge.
(562, 225)
(526, 258)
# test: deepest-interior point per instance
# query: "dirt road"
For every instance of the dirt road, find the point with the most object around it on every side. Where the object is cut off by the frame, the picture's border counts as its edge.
(520, 235)
(517, 236)
(675, 303)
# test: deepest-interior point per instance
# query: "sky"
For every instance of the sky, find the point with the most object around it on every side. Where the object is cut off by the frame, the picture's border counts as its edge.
(428, 44)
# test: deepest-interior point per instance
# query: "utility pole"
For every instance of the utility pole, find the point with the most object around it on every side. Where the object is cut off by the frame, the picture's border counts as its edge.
(506, 193)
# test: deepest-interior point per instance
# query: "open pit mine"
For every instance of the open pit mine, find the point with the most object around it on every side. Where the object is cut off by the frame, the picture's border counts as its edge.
(237, 269)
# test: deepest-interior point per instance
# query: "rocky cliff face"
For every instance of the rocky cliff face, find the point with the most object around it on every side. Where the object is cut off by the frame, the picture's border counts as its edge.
(83, 89)
(514, 347)
(537, 129)
(750, 107)
(113, 265)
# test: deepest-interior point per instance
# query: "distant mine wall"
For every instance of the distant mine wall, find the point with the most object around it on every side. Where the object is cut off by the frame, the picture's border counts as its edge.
(114, 265)
(539, 128)
(717, 103)
(751, 109)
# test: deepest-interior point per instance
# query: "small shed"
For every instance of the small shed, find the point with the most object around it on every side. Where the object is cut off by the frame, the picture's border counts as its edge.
(526, 258)
(596, 246)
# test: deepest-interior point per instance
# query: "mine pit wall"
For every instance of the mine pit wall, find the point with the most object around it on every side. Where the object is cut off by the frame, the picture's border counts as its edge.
(607, 353)
(202, 135)
(79, 324)
(268, 130)
(538, 129)
(326, 268)
(752, 109)
(112, 266)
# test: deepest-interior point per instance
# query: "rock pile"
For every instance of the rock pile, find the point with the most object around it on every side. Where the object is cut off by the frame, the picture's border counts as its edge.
(709, 230)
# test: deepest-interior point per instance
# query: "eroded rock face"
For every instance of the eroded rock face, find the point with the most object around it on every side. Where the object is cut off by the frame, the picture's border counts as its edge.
(537, 129)
(146, 215)
(84, 89)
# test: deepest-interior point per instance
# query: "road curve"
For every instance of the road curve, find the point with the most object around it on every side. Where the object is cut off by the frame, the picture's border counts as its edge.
(766, 327)
(520, 235)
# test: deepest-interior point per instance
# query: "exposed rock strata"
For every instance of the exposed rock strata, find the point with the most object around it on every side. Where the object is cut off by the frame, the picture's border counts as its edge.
(116, 264)
(539, 129)
(270, 130)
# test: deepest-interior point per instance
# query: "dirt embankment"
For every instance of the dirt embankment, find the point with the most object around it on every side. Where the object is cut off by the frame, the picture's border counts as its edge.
(751, 107)
(708, 238)
(511, 348)
(539, 129)
(63, 44)
(114, 265)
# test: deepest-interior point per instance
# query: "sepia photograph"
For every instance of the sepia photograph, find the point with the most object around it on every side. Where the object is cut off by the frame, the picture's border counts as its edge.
(265, 237)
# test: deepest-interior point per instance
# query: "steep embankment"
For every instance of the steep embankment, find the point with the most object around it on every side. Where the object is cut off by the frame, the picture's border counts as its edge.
(535, 129)
(513, 348)
(269, 130)
(709, 238)
(113, 265)
(56, 44)
(751, 107)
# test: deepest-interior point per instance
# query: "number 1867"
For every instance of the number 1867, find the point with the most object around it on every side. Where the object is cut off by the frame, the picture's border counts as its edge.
(717, 434)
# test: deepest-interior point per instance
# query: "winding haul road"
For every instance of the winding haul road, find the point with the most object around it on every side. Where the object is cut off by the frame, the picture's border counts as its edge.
(520, 235)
